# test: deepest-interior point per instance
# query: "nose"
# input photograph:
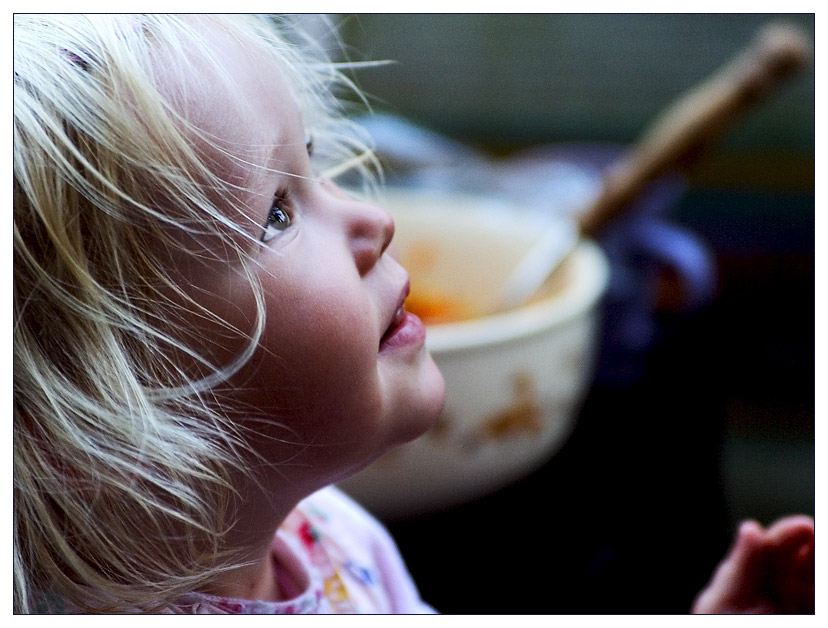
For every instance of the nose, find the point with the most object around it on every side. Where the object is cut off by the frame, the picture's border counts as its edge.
(370, 231)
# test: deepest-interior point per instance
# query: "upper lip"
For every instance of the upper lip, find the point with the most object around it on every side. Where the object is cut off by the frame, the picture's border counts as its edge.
(394, 317)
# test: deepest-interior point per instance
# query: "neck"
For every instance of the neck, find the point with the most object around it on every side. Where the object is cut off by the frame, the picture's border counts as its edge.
(257, 516)
(254, 581)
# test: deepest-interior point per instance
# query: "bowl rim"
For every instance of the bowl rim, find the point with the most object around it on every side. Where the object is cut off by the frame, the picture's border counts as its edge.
(528, 320)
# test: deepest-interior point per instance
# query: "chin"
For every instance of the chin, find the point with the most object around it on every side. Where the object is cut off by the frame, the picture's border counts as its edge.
(427, 406)
(418, 409)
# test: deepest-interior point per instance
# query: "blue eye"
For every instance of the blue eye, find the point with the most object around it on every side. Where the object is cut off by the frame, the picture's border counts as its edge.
(278, 219)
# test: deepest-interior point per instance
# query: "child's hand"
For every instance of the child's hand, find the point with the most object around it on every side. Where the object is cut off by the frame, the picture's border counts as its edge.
(766, 571)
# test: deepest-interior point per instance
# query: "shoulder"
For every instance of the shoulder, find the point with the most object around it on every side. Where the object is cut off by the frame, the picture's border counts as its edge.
(360, 549)
(346, 529)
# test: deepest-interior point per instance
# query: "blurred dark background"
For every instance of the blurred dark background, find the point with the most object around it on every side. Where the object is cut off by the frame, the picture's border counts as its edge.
(718, 423)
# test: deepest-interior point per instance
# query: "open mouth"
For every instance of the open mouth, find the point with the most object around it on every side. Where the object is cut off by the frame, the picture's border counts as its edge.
(396, 323)
(405, 329)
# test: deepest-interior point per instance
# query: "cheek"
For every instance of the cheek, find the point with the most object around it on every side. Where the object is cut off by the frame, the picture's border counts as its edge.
(318, 352)
(319, 399)
(313, 378)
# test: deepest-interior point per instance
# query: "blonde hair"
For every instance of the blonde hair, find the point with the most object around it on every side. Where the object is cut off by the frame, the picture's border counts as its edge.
(121, 456)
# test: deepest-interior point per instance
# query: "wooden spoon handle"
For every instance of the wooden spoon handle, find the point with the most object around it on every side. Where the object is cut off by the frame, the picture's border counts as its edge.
(697, 119)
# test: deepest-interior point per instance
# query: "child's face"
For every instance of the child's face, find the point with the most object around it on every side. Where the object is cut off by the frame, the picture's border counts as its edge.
(338, 377)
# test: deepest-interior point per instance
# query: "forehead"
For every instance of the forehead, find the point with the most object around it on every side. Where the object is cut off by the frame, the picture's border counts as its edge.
(237, 97)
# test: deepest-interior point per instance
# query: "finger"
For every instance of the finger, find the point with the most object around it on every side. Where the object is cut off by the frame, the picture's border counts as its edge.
(738, 581)
(791, 542)
(796, 582)
(790, 532)
(746, 560)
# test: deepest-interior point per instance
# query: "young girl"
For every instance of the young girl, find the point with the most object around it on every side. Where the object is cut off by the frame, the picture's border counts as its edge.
(208, 332)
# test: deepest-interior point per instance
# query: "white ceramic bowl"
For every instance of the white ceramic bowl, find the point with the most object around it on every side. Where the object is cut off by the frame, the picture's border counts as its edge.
(514, 380)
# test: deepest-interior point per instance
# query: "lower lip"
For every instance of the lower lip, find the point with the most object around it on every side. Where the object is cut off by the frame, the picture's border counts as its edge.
(409, 332)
